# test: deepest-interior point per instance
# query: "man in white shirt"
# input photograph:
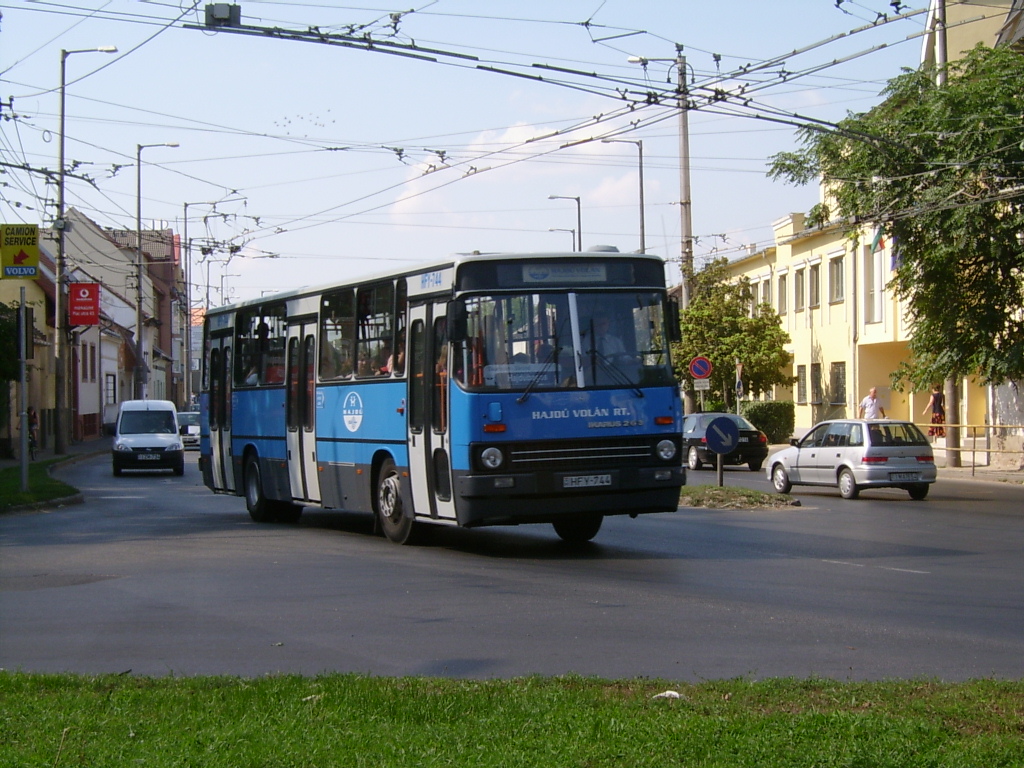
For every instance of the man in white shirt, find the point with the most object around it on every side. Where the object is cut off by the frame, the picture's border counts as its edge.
(870, 407)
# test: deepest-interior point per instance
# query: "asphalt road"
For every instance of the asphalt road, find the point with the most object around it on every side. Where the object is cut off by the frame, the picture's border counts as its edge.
(155, 575)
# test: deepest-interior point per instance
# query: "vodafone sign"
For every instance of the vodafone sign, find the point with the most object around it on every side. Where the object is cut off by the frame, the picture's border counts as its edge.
(84, 303)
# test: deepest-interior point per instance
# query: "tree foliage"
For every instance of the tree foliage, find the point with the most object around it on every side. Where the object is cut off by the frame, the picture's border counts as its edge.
(718, 325)
(940, 167)
(8, 343)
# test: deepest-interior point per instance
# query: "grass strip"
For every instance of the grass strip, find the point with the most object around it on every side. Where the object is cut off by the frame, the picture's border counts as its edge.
(724, 497)
(41, 487)
(356, 720)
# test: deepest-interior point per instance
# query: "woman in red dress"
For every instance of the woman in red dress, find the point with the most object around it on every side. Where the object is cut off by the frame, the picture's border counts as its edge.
(937, 405)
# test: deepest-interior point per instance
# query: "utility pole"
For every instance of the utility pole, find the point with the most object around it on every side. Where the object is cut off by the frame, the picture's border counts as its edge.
(140, 343)
(60, 353)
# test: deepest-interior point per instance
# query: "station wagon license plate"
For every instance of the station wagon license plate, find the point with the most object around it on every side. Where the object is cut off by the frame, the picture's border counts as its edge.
(586, 481)
(903, 477)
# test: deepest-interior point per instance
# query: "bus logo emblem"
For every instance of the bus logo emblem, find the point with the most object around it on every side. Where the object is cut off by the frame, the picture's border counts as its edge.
(352, 411)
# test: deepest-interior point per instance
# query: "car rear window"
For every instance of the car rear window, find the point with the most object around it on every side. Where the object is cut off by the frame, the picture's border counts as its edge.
(896, 434)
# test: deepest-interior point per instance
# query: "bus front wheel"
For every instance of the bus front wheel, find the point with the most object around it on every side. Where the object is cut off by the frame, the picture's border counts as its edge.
(577, 529)
(390, 507)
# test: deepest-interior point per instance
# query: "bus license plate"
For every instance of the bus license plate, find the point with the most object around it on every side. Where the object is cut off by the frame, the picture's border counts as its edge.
(586, 481)
(903, 477)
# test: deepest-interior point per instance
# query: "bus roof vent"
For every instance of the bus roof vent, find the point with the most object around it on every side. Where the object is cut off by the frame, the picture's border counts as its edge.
(602, 249)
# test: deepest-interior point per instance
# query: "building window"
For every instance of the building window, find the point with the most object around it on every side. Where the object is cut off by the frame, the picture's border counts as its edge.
(783, 305)
(836, 279)
(814, 288)
(837, 384)
(801, 383)
(873, 286)
(816, 383)
(798, 291)
(766, 292)
(110, 389)
(92, 362)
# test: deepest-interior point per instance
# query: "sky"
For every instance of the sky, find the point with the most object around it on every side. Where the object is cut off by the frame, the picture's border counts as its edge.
(301, 162)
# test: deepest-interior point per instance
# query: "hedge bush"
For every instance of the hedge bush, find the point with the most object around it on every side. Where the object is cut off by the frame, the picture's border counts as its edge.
(777, 419)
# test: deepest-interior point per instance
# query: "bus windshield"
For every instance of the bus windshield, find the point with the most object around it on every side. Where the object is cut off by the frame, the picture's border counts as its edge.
(562, 340)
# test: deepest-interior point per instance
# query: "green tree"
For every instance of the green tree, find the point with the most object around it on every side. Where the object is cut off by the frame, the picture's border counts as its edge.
(8, 358)
(8, 343)
(940, 169)
(718, 325)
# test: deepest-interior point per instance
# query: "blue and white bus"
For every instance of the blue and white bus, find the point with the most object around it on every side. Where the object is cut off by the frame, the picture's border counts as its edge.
(482, 390)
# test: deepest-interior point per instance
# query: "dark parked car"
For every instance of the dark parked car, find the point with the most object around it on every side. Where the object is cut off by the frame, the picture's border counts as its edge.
(854, 454)
(751, 450)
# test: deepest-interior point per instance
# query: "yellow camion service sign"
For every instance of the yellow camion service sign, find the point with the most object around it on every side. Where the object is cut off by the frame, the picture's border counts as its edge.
(19, 250)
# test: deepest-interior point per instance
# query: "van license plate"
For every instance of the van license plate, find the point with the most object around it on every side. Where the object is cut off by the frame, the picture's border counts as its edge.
(903, 477)
(586, 481)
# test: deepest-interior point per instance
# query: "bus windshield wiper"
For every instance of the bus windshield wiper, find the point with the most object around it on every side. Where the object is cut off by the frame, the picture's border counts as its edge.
(539, 375)
(616, 373)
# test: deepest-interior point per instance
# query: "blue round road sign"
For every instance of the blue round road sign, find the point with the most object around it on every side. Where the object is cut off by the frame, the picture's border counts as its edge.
(723, 435)
(700, 367)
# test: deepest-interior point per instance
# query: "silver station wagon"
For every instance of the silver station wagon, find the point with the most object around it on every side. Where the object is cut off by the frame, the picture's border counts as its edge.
(856, 454)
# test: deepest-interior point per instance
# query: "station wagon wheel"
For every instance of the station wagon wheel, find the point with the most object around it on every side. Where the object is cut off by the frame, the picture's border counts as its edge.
(780, 480)
(390, 507)
(918, 491)
(692, 459)
(576, 529)
(847, 485)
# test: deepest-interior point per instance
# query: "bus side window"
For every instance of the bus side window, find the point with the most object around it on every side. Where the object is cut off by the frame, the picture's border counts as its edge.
(337, 331)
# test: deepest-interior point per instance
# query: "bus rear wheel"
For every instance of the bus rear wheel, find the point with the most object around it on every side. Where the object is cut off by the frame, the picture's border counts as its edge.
(261, 509)
(398, 527)
(576, 529)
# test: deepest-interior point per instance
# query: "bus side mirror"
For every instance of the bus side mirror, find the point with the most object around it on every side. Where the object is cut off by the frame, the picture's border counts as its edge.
(674, 333)
(458, 321)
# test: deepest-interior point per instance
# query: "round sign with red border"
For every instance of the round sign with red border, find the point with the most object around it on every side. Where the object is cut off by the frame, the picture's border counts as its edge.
(700, 367)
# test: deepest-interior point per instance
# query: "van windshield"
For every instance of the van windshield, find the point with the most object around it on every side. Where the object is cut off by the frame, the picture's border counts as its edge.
(147, 423)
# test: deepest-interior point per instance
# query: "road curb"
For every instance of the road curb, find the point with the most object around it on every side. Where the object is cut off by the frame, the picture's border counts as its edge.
(60, 501)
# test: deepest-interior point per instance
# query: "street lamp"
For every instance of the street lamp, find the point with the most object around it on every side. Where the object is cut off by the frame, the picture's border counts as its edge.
(571, 231)
(59, 353)
(140, 342)
(579, 218)
(640, 147)
(685, 203)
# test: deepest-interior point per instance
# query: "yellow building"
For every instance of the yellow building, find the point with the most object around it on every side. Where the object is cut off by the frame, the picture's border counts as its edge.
(848, 330)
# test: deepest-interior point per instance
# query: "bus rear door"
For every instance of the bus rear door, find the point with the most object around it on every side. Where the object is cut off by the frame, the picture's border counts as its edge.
(300, 407)
(428, 425)
(219, 367)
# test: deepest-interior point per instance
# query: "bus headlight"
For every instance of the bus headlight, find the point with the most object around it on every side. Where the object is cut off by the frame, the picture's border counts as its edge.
(666, 450)
(492, 457)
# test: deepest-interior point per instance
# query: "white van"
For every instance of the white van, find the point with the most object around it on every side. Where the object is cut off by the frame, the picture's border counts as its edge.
(146, 437)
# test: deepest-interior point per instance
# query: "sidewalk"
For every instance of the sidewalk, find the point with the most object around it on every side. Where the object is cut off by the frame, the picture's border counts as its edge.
(75, 451)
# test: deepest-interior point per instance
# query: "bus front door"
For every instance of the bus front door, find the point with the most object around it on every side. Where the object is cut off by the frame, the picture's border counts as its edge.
(219, 367)
(429, 429)
(300, 407)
